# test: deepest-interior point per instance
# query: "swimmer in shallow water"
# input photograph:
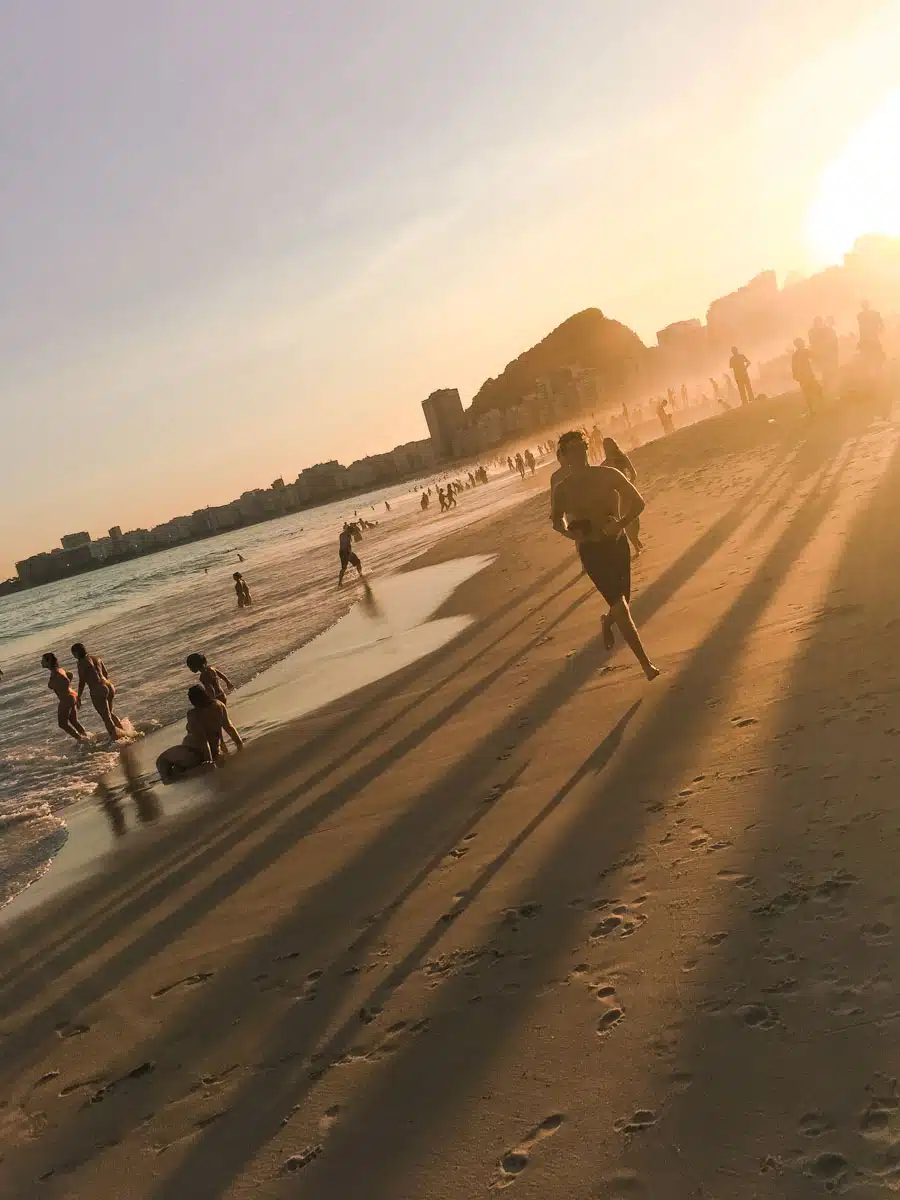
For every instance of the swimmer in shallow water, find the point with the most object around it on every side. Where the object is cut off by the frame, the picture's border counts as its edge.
(60, 684)
(242, 591)
(593, 506)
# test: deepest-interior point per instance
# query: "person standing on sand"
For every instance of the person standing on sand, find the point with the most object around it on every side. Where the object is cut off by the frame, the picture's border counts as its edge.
(740, 368)
(803, 373)
(520, 465)
(92, 675)
(871, 329)
(241, 590)
(587, 508)
(614, 456)
(345, 550)
(60, 684)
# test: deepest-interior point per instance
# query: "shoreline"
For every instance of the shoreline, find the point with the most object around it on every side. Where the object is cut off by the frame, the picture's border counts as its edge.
(513, 915)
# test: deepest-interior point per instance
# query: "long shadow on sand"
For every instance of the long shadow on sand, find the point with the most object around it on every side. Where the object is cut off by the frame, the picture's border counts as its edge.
(793, 1028)
(221, 1153)
(395, 1118)
(116, 915)
(425, 826)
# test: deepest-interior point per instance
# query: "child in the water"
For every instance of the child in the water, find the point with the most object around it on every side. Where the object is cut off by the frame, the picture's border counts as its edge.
(211, 678)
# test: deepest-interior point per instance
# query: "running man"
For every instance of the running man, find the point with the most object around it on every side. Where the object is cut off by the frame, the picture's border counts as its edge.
(211, 678)
(60, 684)
(92, 675)
(593, 506)
(345, 550)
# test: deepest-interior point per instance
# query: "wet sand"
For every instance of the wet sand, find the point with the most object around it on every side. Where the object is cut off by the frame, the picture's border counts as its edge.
(513, 917)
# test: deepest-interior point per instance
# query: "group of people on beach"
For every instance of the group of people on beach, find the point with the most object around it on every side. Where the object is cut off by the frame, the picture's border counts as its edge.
(207, 719)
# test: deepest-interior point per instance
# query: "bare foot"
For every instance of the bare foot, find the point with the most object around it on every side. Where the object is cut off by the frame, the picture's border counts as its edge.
(651, 672)
(609, 635)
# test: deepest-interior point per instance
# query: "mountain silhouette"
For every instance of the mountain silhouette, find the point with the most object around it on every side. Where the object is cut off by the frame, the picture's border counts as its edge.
(588, 340)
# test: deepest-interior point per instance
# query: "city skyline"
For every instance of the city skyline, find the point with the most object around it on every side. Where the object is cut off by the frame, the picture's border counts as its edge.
(235, 246)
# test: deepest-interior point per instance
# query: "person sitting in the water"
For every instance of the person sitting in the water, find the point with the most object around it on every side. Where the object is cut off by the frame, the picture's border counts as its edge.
(60, 684)
(204, 743)
(211, 678)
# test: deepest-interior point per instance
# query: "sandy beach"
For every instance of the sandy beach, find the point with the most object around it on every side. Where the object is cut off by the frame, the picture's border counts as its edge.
(513, 917)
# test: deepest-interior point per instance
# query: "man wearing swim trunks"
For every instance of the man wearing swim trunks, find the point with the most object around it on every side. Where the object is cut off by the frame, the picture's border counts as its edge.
(593, 506)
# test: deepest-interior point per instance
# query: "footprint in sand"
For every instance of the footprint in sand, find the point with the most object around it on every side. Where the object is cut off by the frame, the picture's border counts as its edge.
(298, 1161)
(815, 1125)
(641, 1119)
(878, 932)
(743, 722)
(829, 1168)
(758, 1016)
(738, 878)
(188, 981)
(514, 1162)
(66, 1029)
(613, 1011)
(622, 921)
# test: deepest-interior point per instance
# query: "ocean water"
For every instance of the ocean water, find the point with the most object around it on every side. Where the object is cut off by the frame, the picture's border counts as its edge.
(143, 617)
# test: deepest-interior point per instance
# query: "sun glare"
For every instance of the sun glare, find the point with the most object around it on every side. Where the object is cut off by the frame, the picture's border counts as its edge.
(859, 192)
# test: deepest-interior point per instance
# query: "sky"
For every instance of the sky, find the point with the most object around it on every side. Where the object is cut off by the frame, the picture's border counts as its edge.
(238, 237)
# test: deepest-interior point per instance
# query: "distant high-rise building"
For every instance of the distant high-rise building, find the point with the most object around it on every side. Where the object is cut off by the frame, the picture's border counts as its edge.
(444, 414)
(72, 541)
(116, 533)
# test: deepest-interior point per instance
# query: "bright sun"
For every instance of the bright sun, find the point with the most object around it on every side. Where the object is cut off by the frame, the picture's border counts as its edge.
(860, 191)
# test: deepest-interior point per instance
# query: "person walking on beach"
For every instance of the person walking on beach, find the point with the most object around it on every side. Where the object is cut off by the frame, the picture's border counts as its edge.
(593, 506)
(92, 675)
(345, 549)
(241, 590)
(530, 462)
(520, 465)
(740, 368)
(803, 373)
(614, 456)
(60, 684)
(214, 682)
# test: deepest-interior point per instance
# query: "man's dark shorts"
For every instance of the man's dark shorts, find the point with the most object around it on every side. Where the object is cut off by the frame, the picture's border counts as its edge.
(348, 557)
(608, 566)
